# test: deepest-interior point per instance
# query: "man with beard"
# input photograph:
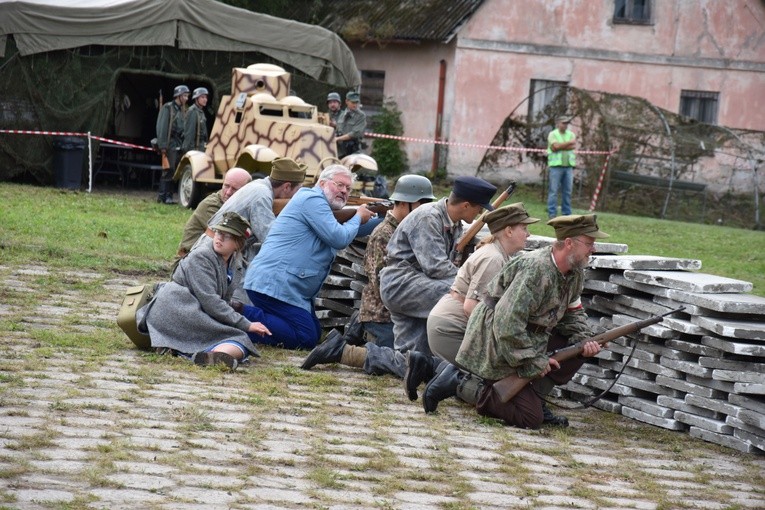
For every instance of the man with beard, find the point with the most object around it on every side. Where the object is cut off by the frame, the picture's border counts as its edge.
(532, 308)
(284, 278)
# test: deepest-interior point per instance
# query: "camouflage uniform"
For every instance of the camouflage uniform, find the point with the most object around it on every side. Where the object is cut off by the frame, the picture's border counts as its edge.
(508, 334)
(372, 308)
(418, 272)
(447, 321)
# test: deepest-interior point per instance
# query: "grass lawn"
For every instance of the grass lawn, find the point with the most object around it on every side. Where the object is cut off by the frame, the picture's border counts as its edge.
(128, 232)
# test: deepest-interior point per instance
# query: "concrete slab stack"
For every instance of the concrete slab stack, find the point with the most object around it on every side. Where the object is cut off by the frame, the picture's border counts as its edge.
(700, 370)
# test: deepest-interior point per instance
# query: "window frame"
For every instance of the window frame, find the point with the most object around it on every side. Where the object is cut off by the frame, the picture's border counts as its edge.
(629, 9)
(694, 104)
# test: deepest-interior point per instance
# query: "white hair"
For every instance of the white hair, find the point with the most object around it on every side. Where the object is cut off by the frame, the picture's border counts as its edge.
(332, 170)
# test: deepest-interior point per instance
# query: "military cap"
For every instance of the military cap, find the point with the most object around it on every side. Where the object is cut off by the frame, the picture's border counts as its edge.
(353, 96)
(234, 224)
(563, 118)
(576, 225)
(474, 190)
(333, 96)
(512, 214)
(286, 169)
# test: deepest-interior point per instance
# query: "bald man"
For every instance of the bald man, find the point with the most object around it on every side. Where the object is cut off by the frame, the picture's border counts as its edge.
(196, 225)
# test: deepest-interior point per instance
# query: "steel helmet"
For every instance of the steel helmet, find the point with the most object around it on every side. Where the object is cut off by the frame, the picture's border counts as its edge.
(200, 91)
(180, 89)
(333, 96)
(412, 188)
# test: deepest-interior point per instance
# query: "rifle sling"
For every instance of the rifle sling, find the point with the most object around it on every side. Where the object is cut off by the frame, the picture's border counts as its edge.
(587, 403)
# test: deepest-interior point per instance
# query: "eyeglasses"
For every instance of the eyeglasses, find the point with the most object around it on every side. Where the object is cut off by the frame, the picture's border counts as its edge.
(224, 236)
(342, 186)
(588, 245)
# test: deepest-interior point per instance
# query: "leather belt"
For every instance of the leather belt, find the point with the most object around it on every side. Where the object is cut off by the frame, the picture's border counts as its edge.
(456, 295)
(536, 328)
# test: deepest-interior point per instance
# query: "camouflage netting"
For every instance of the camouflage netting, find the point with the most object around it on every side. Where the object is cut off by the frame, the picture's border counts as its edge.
(647, 141)
(79, 91)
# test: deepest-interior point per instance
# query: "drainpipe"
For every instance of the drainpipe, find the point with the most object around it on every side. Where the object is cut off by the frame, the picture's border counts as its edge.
(439, 117)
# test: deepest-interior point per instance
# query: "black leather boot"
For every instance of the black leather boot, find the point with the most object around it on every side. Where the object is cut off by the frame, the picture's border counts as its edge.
(329, 351)
(441, 387)
(419, 369)
(553, 419)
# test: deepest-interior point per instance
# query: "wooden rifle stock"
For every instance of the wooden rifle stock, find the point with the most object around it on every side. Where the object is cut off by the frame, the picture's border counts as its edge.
(511, 385)
(376, 205)
(459, 255)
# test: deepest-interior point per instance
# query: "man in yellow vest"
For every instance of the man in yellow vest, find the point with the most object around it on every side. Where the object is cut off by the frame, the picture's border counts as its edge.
(561, 162)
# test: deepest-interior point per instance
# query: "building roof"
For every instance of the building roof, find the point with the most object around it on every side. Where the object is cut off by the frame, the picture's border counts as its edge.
(402, 20)
(39, 26)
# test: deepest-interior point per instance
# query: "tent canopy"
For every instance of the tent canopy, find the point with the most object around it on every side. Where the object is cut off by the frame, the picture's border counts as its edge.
(40, 26)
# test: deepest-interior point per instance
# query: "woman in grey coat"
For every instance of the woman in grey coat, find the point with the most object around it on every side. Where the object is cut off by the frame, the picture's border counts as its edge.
(191, 315)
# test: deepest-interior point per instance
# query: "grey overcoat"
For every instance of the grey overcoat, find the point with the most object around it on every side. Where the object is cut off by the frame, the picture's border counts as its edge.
(191, 312)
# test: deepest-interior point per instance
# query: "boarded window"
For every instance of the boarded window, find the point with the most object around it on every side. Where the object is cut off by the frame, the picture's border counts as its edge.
(372, 93)
(699, 105)
(632, 11)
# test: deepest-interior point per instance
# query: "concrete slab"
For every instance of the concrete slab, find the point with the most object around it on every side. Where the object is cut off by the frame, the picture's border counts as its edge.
(652, 290)
(690, 282)
(749, 330)
(643, 262)
(665, 423)
(728, 303)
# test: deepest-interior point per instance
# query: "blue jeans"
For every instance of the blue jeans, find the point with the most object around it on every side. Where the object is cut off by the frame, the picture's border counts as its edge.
(291, 327)
(561, 181)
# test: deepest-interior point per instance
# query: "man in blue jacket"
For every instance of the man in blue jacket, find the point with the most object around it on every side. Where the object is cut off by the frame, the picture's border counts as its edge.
(286, 275)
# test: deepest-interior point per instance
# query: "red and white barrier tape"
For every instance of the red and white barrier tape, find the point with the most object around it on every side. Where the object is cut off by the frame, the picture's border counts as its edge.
(470, 145)
(72, 133)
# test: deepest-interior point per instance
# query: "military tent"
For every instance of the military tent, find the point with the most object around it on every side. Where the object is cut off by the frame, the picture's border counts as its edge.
(104, 66)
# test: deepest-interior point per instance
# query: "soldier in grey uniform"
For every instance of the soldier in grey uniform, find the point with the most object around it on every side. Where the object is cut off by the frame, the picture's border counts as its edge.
(377, 356)
(351, 124)
(334, 108)
(195, 131)
(170, 126)
(419, 268)
(531, 308)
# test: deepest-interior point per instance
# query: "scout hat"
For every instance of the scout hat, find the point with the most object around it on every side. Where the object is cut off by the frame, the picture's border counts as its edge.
(234, 224)
(285, 169)
(576, 225)
(474, 190)
(353, 97)
(512, 214)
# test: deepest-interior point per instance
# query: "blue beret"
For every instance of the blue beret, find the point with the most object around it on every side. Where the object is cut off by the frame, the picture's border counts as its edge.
(474, 190)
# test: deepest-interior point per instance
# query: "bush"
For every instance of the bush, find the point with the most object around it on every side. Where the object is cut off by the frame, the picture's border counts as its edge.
(389, 154)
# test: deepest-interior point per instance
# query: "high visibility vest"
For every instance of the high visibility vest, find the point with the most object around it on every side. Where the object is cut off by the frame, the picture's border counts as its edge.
(559, 158)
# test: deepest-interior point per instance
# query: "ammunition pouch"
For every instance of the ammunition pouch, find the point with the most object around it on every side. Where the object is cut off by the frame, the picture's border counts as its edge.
(470, 388)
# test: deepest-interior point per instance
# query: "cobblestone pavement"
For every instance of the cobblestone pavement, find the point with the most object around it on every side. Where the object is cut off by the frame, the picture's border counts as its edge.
(87, 421)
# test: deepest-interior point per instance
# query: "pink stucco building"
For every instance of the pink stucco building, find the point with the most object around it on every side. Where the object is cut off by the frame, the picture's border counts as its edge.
(457, 69)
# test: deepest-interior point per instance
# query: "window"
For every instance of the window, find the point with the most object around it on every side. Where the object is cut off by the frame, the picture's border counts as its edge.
(547, 99)
(372, 93)
(699, 105)
(632, 11)
(545, 93)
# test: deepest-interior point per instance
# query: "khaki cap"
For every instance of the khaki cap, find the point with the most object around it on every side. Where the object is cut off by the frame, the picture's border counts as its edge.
(234, 224)
(286, 169)
(512, 214)
(576, 225)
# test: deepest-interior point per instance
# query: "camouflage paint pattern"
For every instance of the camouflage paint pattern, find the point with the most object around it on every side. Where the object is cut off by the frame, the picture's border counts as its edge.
(288, 127)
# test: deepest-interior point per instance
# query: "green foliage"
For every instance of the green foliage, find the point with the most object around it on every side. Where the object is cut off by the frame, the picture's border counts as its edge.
(389, 154)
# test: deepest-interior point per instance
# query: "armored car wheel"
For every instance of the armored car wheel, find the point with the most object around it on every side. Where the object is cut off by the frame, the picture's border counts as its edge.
(189, 192)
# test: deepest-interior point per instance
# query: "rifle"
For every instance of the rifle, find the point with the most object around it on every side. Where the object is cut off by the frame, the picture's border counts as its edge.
(376, 205)
(511, 385)
(459, 254)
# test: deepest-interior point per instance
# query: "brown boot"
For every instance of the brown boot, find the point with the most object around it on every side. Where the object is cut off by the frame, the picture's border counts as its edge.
(353, 356)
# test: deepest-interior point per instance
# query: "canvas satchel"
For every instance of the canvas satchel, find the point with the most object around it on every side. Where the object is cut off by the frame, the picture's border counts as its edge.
(135, 298)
